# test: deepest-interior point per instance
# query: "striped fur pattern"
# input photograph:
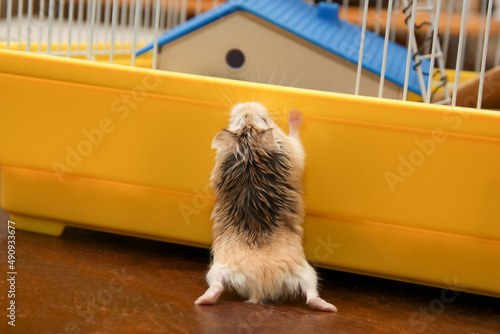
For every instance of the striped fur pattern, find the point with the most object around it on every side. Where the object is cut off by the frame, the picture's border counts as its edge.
(254, 191)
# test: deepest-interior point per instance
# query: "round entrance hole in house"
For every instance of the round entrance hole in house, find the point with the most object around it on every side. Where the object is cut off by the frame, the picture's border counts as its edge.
(235, 58)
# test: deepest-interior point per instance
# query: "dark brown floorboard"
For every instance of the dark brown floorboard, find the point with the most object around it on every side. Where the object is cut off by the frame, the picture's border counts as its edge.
(92, 282)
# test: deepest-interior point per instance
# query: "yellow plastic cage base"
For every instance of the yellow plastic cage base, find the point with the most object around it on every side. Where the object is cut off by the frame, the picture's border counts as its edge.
(38, 225)
(393, 189)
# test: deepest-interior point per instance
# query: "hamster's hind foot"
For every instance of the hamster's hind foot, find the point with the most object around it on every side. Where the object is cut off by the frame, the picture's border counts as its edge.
(210, 296)
(321, 305)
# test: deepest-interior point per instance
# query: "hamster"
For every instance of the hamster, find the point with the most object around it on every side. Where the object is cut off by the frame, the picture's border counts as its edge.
(258, 212)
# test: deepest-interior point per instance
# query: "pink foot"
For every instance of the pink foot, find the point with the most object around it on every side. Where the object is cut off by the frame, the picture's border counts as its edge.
(295, 119)
(321, 305)
(210, 296)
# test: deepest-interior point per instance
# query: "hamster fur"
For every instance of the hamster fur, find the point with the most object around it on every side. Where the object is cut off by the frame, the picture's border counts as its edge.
(258, 213)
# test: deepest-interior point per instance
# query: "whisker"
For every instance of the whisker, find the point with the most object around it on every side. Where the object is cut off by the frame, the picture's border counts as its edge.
(298, 79)
(271, 79)
(282, 80)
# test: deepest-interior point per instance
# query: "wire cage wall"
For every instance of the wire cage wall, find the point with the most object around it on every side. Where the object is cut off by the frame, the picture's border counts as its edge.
(461, 38)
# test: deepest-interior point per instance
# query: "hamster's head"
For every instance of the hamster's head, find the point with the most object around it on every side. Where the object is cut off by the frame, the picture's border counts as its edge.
(249, 114)
(250, 127)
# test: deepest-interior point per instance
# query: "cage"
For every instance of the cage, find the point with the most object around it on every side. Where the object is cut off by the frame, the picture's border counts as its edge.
(97, 134)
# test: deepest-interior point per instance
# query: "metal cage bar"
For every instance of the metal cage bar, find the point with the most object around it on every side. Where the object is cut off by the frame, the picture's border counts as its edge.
(361, 47)
(485, 50)
(461, 41)
(386, 44)
(411, 31)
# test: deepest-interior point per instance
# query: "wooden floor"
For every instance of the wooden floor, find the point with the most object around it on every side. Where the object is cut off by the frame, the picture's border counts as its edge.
(92, 282)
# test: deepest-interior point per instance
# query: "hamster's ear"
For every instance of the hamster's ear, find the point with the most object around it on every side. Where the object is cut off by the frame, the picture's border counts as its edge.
(268, 138)
(224, 140)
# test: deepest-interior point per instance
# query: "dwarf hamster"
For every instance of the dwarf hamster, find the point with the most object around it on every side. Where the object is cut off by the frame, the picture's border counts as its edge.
(258, 212)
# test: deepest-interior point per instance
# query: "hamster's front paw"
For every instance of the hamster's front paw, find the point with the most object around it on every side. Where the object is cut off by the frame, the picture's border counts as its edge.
(295, 119)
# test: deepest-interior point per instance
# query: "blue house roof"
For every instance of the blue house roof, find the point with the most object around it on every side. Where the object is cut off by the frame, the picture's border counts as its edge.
(318, 24)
